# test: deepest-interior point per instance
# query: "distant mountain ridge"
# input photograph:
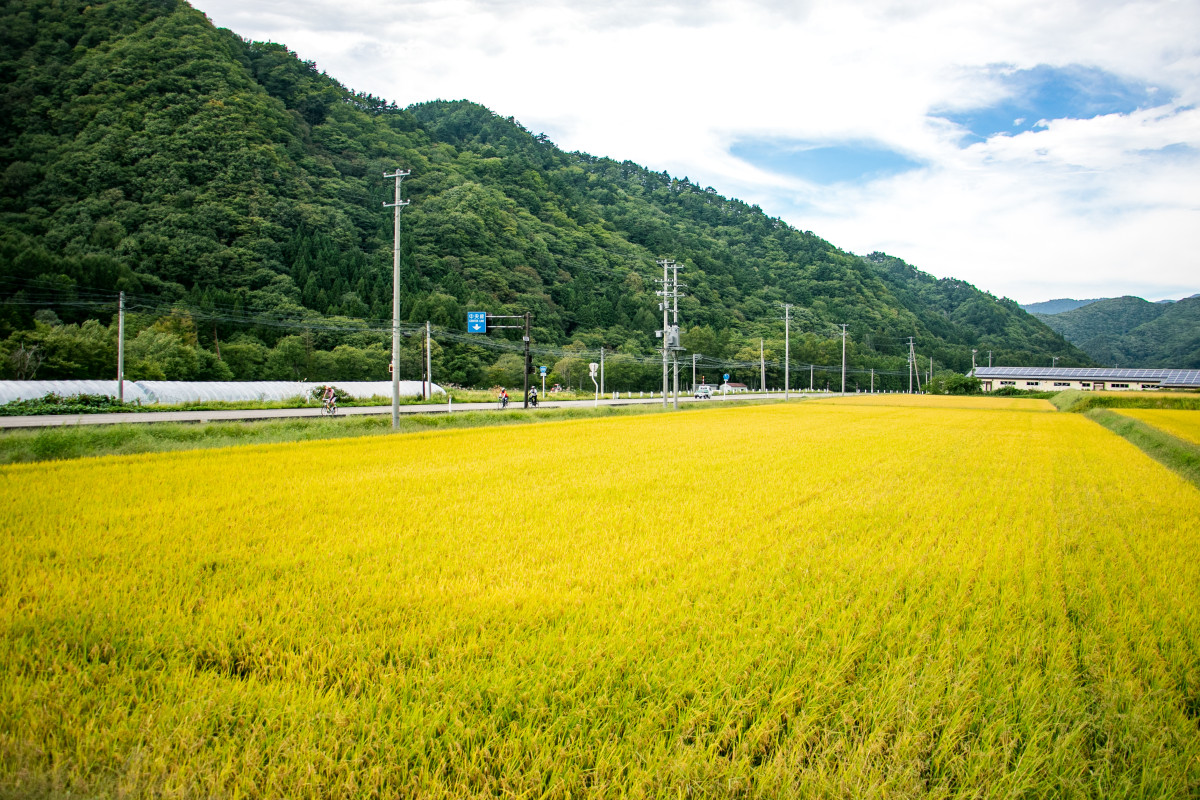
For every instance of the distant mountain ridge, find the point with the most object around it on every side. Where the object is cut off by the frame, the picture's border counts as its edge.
(1058, 306)
(1132, 332)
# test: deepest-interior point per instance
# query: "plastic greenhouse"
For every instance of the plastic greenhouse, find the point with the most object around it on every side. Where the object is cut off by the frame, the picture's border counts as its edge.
(167, 392)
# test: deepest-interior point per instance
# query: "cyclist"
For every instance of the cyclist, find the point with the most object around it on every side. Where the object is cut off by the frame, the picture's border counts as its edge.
(330, 399)
(503, 397)
(533, 396)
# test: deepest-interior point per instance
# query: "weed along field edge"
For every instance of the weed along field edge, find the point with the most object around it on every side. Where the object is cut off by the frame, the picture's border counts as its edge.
(822, 599)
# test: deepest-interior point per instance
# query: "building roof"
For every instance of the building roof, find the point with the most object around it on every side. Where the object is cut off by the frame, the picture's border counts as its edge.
(1176, 378)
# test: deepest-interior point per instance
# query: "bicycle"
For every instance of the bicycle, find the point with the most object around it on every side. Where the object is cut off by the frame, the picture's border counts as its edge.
(329, 407)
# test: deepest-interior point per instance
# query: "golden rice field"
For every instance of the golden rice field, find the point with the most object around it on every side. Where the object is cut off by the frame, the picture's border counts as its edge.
(1182, 424)
(823, 599)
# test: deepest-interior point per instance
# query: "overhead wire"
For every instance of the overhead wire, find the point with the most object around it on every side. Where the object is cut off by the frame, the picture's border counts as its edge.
(220, 313)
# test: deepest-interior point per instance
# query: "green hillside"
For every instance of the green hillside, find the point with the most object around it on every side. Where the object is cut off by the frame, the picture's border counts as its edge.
(234, 193)
(1131, 332)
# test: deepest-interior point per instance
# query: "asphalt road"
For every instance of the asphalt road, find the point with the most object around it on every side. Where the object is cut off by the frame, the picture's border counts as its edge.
(56, 420)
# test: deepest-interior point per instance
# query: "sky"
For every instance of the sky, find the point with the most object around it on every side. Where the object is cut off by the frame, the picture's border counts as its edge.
(1037, 149)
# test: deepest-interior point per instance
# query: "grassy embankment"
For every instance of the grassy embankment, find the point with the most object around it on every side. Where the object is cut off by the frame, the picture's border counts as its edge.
(102, 404)
(1165, 445)
(80, 441)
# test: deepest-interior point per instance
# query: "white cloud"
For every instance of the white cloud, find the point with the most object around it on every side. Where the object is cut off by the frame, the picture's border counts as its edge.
(1077, 207)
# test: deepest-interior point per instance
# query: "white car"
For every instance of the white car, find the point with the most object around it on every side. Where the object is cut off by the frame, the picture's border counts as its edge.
(703, 392)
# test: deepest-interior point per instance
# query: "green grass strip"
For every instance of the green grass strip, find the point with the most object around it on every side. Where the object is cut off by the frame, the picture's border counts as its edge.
(81, 441)
(1171, 452)
(1079, 402)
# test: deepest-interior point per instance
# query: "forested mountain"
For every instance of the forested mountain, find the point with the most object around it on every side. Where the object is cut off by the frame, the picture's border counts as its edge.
(1132, 332)
(234, 192)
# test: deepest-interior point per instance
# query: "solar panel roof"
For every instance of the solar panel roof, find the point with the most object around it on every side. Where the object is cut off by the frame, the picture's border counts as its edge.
(1164, 377)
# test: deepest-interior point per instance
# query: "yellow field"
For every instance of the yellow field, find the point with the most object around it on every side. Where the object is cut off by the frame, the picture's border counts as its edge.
(818, 599)
(944, 401)
(1183, 424)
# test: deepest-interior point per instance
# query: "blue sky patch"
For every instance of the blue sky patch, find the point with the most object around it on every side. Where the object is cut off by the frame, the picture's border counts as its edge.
(1047, 93)
(823, 164)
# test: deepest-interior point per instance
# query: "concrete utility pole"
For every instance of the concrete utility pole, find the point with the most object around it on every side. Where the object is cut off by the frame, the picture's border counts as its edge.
(664, 306)
(872, 380)
(399, 175)
(601, 372)
(844, 326)
(121, 349)
(762, 365)
(910, 363)
(810, 377)
(929, 375)
(989, 358)
(675, 329)
(973, 352)
(428, 361)
(694, 357)
(787, 351)
(525, 363)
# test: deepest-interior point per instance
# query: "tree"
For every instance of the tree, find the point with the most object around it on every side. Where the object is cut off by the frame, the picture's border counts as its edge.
(25, 360)
(507, 371)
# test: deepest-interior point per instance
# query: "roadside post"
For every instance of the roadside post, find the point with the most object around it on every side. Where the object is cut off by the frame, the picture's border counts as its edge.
(594, 367)
(543, 370)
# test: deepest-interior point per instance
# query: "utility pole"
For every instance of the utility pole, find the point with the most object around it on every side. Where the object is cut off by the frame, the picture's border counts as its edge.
(670, 330)
(810, 377)
(694, 357)
(910, 364)
(601, 372)
(525, 363)
(929, 375)
(989, 358)
(675, 331)
(787, 351)
(666, 332)
(1053, 361)
(843, 357)
(398, 204)
(762, 365)
(121, 349)
(872, 380)
(428, 361)
(973, 352)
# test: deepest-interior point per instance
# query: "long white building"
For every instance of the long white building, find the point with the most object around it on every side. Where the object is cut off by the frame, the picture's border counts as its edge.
(1055, 379)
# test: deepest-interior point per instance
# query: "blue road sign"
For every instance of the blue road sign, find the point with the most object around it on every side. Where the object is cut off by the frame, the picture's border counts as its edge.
(476, 322)
(543, 369)
(726, 376)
